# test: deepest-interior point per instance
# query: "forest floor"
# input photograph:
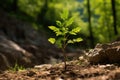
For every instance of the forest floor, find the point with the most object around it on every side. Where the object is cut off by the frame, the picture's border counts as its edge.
(76, 70)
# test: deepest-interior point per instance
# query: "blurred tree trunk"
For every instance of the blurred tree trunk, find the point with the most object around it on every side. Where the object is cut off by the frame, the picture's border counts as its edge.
(5, 5)
(89, 20)
(15, 5)
(114, 17)
(41, 15)
(106, 21)
(9, 6)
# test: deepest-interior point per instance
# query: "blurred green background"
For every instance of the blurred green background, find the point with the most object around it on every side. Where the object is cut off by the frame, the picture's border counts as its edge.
(98, 19)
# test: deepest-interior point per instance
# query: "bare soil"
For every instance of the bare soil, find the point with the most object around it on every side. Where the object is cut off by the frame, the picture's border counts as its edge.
(76, 70)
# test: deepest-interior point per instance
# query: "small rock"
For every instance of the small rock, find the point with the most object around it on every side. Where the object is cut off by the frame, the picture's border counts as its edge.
(46, 66)
(105, 53)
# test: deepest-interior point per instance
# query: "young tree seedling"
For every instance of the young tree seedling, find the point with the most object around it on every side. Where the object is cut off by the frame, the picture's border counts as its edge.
(63, 30)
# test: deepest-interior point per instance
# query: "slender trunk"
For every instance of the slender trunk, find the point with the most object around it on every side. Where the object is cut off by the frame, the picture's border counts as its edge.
(106, 22)
(15, 5)
(89, 20)
(114, 17)
(41, 15)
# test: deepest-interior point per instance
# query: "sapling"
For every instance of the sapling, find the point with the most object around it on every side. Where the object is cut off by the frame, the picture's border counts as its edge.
(17, 67)
(63, 30)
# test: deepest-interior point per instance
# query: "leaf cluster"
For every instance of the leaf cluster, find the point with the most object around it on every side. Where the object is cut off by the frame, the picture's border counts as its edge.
(63, 30)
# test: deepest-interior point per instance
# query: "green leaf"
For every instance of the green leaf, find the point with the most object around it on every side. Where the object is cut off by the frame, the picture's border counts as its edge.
(56, 30)
(52, 40)
(65, 14)
(70, 41)
(75, 31)
(59, 33)
(70, 21)
(59, 23)
(59, 42)
(64, 30)
(77, 40)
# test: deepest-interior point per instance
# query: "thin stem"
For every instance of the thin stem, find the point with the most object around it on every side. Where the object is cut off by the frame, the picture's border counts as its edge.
(65, 57)
(63, 50)
(66, 43)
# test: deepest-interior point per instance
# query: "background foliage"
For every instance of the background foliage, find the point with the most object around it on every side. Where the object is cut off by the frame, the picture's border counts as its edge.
(43, 13)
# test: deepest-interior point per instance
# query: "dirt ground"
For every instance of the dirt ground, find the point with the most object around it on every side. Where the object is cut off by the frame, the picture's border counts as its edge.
(76, 70)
